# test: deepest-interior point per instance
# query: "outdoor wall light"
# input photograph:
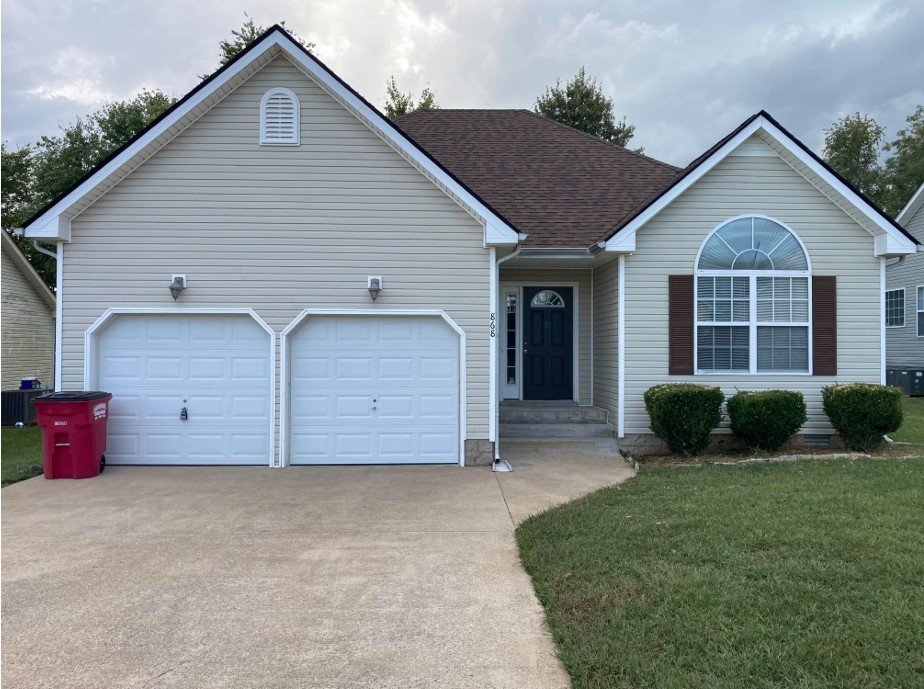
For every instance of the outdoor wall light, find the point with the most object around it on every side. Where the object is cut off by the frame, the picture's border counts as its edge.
(375, 286)
(177, 286)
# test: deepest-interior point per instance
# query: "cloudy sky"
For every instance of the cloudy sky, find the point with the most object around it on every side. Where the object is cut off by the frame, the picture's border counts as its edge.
(684, 72)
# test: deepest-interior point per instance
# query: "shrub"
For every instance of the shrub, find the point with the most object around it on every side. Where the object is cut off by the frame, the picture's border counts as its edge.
(683, 415)
(767, 419)
(862, 413)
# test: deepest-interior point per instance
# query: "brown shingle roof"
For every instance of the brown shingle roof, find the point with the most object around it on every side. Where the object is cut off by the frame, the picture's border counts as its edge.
(562, 187)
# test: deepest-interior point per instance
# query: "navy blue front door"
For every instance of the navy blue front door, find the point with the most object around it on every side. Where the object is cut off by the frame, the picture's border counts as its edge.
(548, 343)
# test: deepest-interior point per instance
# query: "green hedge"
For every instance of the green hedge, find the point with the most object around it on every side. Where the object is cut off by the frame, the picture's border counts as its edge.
(862, 413)
(684, 415)
(766, 419)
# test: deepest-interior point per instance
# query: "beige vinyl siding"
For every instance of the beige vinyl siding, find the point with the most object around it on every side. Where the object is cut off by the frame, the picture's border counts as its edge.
(545, 277)
(280, 229)
(606, 337)
(904, 349)
(668, 244)
(28, 328)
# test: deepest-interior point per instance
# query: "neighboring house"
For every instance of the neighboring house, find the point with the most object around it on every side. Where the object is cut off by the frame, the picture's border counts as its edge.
(904, 311)
(362, 291)
(27, 320)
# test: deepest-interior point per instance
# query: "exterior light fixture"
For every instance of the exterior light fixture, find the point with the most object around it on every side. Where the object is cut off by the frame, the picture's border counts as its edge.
(177, 286)
(375, 286)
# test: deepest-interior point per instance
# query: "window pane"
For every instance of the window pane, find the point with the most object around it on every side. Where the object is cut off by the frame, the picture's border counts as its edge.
(511, 339)
(782, 348)
(788, 255)
(782, 299)
(722, 299)
(737, 234)
(895, 308)
(722, 348)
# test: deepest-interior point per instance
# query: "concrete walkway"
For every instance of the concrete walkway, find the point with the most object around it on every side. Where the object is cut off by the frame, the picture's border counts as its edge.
(302, 577)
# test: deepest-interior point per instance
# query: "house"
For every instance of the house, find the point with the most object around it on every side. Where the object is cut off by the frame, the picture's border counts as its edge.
(27, 313)
(904, 309)
(275, 273)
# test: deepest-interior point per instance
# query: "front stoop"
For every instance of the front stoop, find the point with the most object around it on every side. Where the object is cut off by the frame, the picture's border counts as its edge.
(542, 427)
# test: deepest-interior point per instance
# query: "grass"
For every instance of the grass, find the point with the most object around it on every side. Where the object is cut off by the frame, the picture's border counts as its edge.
(912, 430)
(20, 454)
(805, 574)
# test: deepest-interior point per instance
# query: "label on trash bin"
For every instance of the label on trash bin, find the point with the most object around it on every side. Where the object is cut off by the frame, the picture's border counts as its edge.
(99, 411)
(60, 423)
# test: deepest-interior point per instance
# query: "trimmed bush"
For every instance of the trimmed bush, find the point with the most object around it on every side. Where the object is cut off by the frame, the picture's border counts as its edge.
(862, 413)
(684, 415)
(765, 420)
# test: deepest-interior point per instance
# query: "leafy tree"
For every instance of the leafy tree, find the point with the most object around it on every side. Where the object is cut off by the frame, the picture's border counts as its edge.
(904, 169)
(398, 103)
(582, 104)
(247, 34)
(853, 146)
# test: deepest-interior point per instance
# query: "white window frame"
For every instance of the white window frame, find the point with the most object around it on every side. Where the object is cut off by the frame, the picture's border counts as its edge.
(752, 323)
(296, 139)
(888, 292)
(919, 294)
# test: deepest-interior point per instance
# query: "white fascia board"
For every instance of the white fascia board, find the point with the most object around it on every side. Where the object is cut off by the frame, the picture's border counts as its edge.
(622, 243)
(50, 227)
(914, 203)
(897, 239)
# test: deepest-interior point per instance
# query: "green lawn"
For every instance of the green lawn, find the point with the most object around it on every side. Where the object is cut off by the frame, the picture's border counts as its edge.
(21, 453)
(912, 431)
(805, 574)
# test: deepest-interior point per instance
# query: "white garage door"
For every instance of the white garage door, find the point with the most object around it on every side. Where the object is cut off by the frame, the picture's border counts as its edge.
(374, 390)
(217, 367)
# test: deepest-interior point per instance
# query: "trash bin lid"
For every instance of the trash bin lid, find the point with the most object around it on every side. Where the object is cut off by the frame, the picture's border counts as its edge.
(72, 396)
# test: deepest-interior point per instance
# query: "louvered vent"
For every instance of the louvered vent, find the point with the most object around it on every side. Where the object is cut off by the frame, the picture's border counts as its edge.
(279, 118)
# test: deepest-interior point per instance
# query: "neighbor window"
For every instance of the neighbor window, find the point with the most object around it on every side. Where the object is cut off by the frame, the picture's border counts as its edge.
(920, 310)
(895, 308)
(752, 299)
(279, 118)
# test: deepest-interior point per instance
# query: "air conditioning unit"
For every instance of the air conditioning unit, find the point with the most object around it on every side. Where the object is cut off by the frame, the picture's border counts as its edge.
(16, 406)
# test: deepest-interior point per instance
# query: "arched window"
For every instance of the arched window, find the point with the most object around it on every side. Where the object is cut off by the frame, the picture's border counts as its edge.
(753, 299)
(547, 299)
(279, 118)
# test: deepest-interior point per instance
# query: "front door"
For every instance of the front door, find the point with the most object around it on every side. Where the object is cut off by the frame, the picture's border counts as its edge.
(548, 343)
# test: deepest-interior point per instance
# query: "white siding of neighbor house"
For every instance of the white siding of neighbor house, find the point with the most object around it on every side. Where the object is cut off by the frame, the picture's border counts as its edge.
(28, 328)
(904, 349)
(547, 277)
(606, 337)
(279, 229)
(668, 244)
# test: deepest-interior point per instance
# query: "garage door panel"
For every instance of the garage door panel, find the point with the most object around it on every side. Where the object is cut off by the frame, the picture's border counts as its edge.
(217, 366)
(407, 368)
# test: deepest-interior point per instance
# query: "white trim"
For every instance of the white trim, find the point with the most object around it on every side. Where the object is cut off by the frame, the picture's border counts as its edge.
(919, 308)
(886, 308)
(494, 326)
(496, 230)
(59, 315)
(91, 363)
(295, 140)
(307, 313)
(882, 328)
(897, 243)
(621, 349)
(506, 393)
(909, 209)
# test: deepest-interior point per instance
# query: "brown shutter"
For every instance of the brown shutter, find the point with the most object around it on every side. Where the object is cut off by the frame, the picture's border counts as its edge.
(824, 325)
(680, 324)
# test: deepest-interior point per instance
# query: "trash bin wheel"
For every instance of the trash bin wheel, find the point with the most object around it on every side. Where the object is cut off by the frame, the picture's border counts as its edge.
(102, 464)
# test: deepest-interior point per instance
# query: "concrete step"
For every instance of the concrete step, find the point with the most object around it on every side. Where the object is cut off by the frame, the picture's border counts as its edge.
(549, 414)
(556, 430)
(526, 447)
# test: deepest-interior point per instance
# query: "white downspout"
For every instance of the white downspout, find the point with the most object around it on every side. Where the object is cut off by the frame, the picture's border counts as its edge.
(499, 464)
(882, 321)
(43, 250)
(621, 349)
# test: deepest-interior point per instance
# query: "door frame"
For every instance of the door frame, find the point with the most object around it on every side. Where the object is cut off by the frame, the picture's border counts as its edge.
(91, 355)
(285, 425)
(516, 287)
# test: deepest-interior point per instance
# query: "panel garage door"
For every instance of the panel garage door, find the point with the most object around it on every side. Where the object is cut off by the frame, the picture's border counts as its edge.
(374, 390)
(216, 366)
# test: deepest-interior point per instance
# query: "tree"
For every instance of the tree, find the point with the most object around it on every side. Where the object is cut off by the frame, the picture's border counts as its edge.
(247, 34)
(398, 103)
(853, 146)
(583, 105)
(904, 169)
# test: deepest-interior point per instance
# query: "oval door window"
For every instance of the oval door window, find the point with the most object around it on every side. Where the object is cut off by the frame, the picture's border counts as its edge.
(547, 299)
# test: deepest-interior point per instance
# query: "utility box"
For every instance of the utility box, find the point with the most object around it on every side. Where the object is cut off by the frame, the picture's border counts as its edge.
(73, 433)
(16, 407)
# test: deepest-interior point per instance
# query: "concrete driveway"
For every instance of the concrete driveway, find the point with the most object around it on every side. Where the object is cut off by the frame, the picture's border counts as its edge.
(302, 577)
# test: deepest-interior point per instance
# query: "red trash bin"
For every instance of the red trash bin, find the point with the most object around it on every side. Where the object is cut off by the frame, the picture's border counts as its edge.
(73, 432)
